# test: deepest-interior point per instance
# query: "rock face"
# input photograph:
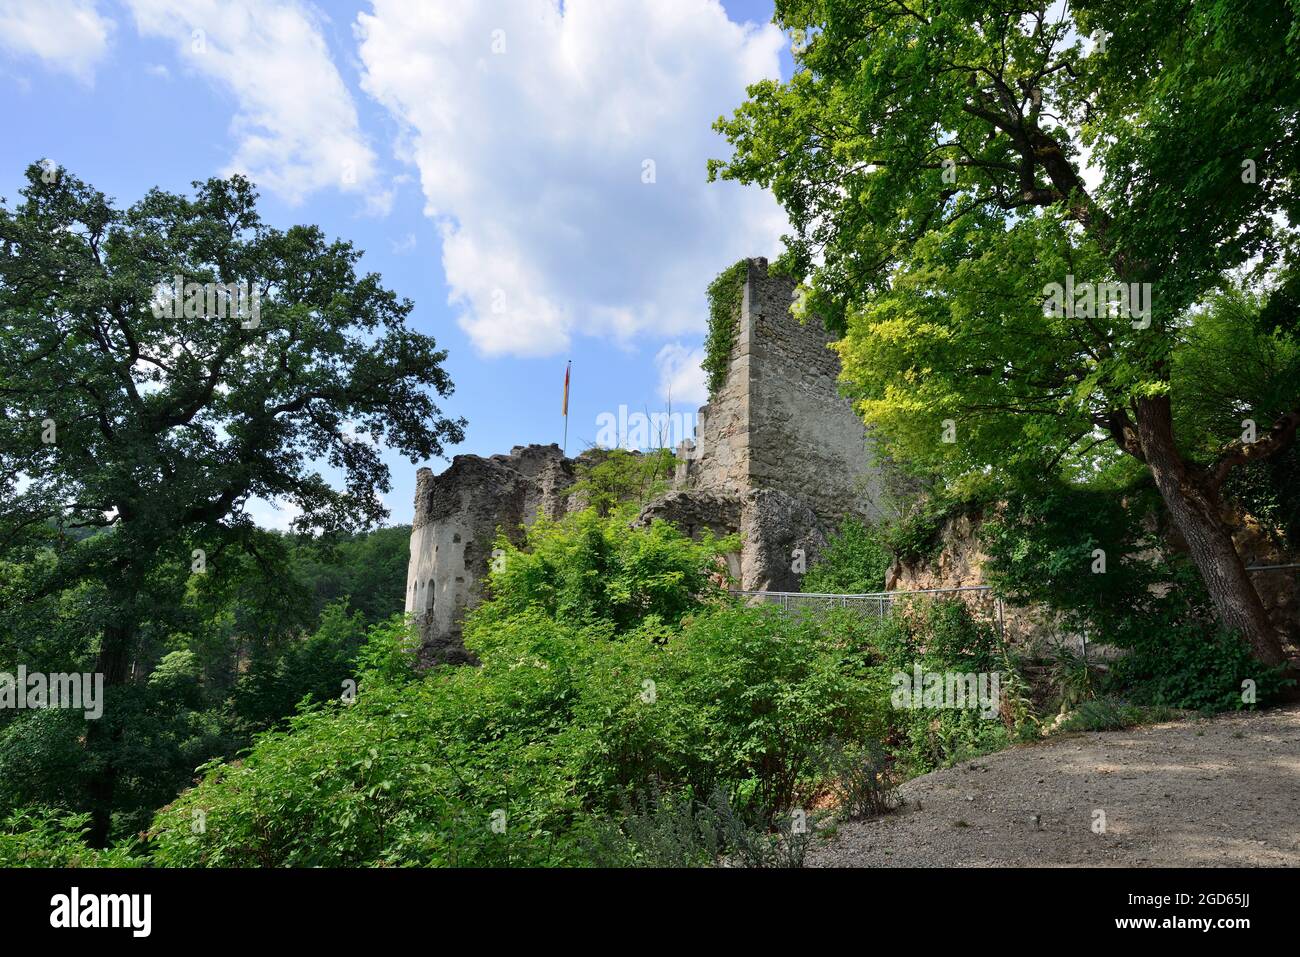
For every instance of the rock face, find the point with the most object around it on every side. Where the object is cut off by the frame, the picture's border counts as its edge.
(772, 526)
(778, 456)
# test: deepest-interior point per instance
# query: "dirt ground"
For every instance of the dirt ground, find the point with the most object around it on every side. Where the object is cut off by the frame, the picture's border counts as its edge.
(1206, 792)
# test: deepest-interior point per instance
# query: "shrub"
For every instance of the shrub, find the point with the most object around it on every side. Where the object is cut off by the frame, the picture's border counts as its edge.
(1190, 664)
(45, 837)
(1113, 714)
(587, 569)
(939, 636)
(855, 561)
(559, 725)
(611, 478)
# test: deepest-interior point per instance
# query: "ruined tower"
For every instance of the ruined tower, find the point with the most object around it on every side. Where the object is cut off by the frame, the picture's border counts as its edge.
(457, 514)
(778, 456)
(779, 422)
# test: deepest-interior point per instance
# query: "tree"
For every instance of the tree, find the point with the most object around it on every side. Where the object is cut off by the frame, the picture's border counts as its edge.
(994, 299)
(162, 365)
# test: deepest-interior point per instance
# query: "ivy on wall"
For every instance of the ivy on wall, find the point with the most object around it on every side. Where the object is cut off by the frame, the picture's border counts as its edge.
(724, 316)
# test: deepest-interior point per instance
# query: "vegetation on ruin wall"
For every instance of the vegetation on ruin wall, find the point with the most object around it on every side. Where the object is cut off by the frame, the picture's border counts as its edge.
(1149, 602)
(609, 478)
(725, 294)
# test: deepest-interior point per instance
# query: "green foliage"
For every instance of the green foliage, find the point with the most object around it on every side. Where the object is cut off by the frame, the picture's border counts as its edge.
(555, 728)
(930, 158)
(941, 636)
(1042, 542)
(312, 667)
(725, 293)
(42, 837)
(154, 734)
(676, 831)
(611, 478)
(1041, 547)
(166, 426)
(1074, 677)
(1113, 714)
(855, 561)
(1194, 665)
(766, 691)
(367, 569)
(1270, 492)
(586, 569)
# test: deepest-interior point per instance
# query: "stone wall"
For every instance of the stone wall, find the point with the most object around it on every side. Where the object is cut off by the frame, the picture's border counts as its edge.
(457, 514)
(779, 422)
(779, 457)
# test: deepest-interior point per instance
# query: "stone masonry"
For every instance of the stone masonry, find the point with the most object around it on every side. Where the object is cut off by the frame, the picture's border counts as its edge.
(457, 514)
(778, 456)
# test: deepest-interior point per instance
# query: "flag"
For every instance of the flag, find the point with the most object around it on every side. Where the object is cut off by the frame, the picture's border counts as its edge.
(565, 410)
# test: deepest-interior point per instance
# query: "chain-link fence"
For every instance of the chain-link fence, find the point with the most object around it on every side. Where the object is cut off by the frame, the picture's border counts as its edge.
(980, 598)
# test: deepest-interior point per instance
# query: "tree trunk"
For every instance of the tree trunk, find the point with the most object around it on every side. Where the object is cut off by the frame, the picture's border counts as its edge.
(1197, 513)
(105, 733)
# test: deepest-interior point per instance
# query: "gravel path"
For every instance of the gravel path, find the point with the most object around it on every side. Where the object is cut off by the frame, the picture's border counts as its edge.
(1206, 792)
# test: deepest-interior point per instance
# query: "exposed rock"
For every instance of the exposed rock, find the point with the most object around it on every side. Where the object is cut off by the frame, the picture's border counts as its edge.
(717, 510)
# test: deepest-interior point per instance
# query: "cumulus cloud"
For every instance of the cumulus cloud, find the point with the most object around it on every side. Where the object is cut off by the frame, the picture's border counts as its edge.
(681, 375)
(562, 150)
(296, 127)
(67, 35)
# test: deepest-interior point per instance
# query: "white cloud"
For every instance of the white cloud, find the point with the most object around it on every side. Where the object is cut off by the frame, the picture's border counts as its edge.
(681, 375)
(531, 158)
(68, 35)
(296, 127)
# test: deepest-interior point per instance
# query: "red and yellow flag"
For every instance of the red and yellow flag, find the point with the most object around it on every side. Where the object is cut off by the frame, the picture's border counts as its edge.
(565, 410)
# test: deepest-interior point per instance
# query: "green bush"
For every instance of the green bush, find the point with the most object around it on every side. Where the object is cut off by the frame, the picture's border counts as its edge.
(941, 636)
(1149, 602)
(587, 569)
(855, 561)
(1113, 714)
(1193, 665)
(611, 478)
(556, 730)
(43, 837)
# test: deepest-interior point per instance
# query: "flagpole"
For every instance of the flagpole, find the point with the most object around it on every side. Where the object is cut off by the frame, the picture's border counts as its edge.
(564, 450)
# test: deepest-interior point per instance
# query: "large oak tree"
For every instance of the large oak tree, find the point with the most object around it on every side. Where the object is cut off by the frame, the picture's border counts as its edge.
(133, 437)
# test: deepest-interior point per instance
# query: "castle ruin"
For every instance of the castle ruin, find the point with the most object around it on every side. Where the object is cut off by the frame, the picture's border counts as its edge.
(778, 456)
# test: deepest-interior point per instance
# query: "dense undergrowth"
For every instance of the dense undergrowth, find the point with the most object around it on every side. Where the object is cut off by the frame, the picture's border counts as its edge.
(628, 711)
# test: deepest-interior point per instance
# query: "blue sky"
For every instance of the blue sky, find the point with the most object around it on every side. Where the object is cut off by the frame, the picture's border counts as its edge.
(530, 174)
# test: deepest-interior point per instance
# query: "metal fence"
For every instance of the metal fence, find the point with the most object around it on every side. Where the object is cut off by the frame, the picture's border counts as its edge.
(879, 603)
